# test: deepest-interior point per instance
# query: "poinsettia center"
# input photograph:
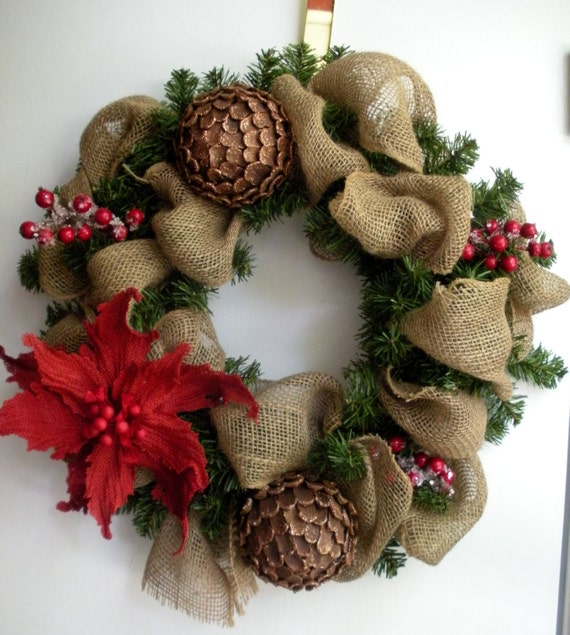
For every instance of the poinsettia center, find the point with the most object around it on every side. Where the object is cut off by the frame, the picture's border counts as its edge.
(108, 422)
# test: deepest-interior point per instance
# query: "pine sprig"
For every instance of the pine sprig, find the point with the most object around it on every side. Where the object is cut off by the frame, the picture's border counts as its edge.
(147, 513)
(337, 457)
(502, 415)
(495, 200)
(363, 412)
(265, 70)
(250, 372)
(180, 90)
(217, 77)
(427, 499)
(391, 560)
(300, 61)
(540, 368)
(443, 155)
(29, 270)
(242, 262)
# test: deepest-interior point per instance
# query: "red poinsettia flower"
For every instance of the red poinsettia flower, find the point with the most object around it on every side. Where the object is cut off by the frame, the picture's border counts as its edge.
(107, 410)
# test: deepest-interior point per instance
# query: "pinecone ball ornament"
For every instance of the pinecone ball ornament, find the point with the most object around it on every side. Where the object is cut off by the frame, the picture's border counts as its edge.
(298, 532)
(234, 145)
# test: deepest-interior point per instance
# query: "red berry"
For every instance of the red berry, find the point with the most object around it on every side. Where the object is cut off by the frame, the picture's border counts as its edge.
(512, 227)
(28, 229)
(468, 252)
(84, 232)
(103, 216)
(140, 434)
(437, 465)
(45, 236)
(490, 262)
(106, 440)
(119, 232)
(397, 444)
(414, 478)
(534, 250)
(66, 234)
(134, 218)
(528, 230)
(421, 459)
(491, 226)
(448, 476)
(508, 263)
(82, 203)
(44, 198)
(498, 242)
(100, 423)
(546, 250)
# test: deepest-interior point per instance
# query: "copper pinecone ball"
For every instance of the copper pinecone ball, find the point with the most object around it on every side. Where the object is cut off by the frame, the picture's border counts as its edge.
(298, 532)
(234, 145)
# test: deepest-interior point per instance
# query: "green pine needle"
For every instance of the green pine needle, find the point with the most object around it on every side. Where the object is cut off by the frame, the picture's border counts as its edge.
(250, 372)
(29, 270)
(180, 89)
(337, 457)
(391, 560)
(147, 513)
(540, 368)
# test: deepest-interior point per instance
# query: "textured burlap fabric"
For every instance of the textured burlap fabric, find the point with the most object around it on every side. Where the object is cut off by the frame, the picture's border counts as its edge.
(209, 583)
(293, 413)
(382, 498)
(69, 333)
(107, 140)
(442, 422)
(56, 278)
(388, 97)
(190, 327)
(522, 328)
(535, 288)
(136, 263)
(465, 327)
(392, 216)
(322, 160)
(197, 236)
(427, 535)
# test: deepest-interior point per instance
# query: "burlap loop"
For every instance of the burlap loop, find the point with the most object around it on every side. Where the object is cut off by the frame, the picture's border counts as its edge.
(388, 97)
(108, 138)
(199, 581)
(197, 235)
(69, 333)
(392, 216)
(136, 263)
(522, 328)
(191, 327)
(535, 288)
(428, 535)
(382, 498)
(322, 160)
(442, 422)
(293, 413)
(464, 326)
(56, 278)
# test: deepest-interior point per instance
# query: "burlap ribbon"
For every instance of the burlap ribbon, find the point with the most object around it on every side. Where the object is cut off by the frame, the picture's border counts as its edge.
(197, 235)
(427, 216)
(464, 326)
(445, 423)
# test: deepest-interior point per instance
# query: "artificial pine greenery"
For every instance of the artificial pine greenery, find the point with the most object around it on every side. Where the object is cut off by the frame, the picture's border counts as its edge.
(390, 289)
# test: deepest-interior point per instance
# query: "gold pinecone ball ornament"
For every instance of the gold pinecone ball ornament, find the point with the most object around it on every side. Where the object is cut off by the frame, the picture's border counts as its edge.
(298, 532)
(234, 145)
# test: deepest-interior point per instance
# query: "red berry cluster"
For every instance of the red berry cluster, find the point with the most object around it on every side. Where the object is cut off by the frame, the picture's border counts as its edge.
(423, 469)
(498, 243)
(77, 222)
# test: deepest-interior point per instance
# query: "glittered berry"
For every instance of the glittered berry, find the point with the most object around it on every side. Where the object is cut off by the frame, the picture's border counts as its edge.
(44, 198)
(28, 229)
(66, 234)
(82, 203)
(134, 218)
(103, 216)
(512, 227)
(415, 478)
(528, 230)
(45, 236)
(421, 459)
(119, 232)
(448, 476)
(498, 243)
(397, 444)
(468, 252)
(508, 263)
(437, 464)
(491, 226)
(546, 250)
(84, 232)
(534, 250)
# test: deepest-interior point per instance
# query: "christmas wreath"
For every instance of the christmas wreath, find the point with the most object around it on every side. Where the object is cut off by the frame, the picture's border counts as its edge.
(301, 479)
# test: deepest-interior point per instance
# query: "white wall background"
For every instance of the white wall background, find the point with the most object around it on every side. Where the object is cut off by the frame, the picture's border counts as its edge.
(497, 70)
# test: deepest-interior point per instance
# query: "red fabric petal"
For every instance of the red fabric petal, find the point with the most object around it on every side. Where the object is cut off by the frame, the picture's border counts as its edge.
(70, 375)
(24, 369)
(109, 481)
(77, 473)
(115, 344)
(44, 421)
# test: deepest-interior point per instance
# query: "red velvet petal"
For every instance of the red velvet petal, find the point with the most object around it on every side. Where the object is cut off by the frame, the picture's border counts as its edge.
(44, 421)
(114, 342)
(23, 369)
(109, 481)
